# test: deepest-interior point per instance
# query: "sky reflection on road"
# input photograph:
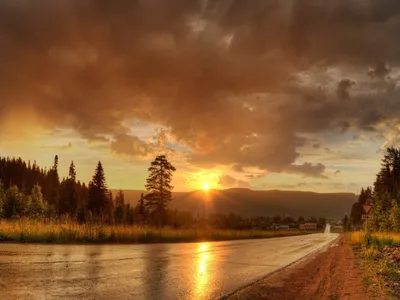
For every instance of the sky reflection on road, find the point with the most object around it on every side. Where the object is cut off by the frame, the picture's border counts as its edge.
(154, 272)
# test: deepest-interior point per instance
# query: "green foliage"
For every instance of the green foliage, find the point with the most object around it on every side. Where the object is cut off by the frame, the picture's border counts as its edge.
(394, 216)
(38, 206)
(357, 208)
(385, 196)
(14, 205)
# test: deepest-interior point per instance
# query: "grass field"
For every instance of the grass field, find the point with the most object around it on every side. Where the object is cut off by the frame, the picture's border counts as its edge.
(41, 232)
(376, 238)
(379, 256)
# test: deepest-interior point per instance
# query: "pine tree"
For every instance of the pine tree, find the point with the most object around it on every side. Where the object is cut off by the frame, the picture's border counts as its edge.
(141, 210)
(72, 194)
(159, 188)
(120, 209)
(53, 184)
(72, 172)
(98, 194)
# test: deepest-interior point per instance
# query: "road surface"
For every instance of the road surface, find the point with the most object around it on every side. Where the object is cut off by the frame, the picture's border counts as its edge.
(154, 271)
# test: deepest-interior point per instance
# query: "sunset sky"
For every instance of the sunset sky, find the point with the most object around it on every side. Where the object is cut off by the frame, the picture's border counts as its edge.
(294, 95)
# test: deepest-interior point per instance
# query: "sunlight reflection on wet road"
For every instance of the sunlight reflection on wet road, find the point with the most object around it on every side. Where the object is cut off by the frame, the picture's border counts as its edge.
(158, 271)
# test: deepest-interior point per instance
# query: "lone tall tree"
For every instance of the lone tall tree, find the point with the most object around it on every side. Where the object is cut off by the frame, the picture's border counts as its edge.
(98, 193)
(159, 188)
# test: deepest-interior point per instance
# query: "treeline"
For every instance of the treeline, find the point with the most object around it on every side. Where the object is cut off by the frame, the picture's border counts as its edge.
(29, 191)
(182, 219)
(384, 196)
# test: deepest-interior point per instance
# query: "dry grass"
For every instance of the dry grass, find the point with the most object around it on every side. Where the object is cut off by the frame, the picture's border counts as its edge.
(52, 232)
(378, 238)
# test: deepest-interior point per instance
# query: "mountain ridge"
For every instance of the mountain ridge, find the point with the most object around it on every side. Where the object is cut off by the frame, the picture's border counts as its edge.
(255, 203)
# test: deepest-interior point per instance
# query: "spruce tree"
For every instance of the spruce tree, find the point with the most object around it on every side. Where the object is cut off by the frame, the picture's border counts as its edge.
(72, 172)
(141, 210)
(98, 194)
(159, 188)
(120, 209)
(72, 190)
(53, 184)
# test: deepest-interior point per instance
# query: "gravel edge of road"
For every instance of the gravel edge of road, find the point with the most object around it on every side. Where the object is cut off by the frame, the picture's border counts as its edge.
(301, 260)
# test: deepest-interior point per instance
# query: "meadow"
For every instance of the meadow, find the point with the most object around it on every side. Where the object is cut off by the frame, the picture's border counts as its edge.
(380, 260)
(374, 245)
(33, 231)
(375, 239)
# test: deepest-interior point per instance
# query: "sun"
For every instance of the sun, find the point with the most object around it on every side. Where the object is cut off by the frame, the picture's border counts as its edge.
(206, 186)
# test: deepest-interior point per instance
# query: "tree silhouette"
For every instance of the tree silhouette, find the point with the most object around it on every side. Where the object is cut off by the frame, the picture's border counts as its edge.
(53, 183)
(141, 210)
(159, 188)
(98, 194)
(120, 209)
(2, 199)
(68, 193)
(72, 172)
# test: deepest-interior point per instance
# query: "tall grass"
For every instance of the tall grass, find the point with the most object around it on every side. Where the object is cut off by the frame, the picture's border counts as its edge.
(56, 232)
(376, 238)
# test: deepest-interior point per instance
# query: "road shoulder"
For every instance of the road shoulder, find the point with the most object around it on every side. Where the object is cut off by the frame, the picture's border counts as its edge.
(331, 274)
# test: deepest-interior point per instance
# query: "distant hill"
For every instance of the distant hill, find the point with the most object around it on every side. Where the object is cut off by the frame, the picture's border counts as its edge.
(249, 203)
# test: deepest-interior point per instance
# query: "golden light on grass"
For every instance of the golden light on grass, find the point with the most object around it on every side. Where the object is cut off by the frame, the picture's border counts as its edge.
(381, 237)
(25, 230)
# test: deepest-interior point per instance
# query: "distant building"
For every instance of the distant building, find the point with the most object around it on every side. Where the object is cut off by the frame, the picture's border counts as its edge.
(284, 227)
(308, 226)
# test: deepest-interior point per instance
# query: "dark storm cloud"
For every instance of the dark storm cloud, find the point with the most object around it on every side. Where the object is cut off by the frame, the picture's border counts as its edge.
(343, 88)
(226, 77)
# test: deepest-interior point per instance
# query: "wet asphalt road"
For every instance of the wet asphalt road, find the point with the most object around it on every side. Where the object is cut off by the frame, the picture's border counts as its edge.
(154, 271)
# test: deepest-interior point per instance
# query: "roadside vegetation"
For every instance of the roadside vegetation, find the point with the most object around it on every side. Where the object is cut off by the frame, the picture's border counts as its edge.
(377, 240)
(35, 206)
(379, 255)
(25, 230)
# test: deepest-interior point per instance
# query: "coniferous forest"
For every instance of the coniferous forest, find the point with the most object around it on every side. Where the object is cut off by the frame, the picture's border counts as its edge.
(28, 191)
(384, 196)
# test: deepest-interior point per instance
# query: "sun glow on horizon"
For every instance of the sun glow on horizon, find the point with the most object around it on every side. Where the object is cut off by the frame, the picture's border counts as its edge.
(206, 186)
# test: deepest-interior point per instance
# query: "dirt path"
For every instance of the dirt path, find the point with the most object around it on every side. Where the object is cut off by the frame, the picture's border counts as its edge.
(330, 275)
